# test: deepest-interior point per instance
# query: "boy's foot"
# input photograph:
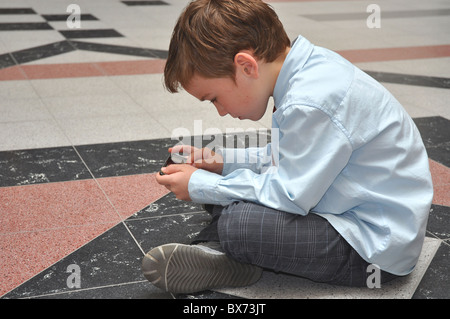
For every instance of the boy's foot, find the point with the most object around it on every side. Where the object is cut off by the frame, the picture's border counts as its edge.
(179, 268)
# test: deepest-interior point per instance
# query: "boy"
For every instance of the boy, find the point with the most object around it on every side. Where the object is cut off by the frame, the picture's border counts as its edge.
(350, 185)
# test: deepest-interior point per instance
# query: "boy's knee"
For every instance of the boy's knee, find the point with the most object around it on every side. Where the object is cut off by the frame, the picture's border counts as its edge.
(234, 230)
(229, 222)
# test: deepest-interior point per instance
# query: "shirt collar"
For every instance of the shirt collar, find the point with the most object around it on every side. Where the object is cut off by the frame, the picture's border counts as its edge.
(295, 60)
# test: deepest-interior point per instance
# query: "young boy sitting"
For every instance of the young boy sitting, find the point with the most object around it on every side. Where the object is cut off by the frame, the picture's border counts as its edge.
(349, 186)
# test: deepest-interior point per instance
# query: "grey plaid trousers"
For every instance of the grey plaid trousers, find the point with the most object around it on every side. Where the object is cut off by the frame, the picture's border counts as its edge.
(306, 246)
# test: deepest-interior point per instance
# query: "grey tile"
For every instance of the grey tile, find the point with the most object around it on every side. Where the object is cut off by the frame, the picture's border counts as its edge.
(31, 134)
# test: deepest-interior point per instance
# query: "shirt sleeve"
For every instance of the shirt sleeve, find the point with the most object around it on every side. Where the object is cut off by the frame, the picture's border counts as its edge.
(256, 159)
(310, 152)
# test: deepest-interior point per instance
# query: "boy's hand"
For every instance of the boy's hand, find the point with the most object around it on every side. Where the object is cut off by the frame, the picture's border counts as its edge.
(201, 158)
(176, 179)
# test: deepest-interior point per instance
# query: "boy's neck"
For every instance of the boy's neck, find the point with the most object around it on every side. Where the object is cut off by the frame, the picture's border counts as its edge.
(274, 69)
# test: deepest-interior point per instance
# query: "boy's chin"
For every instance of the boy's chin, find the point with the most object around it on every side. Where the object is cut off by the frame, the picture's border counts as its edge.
(256, 117)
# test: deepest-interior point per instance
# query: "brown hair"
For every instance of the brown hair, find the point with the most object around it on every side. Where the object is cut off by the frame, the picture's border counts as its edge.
(209, 33)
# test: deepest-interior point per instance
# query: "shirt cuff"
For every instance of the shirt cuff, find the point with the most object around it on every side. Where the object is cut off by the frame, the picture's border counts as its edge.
(202, 187)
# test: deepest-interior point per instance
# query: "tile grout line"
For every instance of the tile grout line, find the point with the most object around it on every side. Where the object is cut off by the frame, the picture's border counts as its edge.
(122, 221)
(164, 216)
(84, 289)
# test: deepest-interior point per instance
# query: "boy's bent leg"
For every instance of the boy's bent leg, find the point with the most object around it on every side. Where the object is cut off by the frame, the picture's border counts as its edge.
(203, 265)
(306, 246)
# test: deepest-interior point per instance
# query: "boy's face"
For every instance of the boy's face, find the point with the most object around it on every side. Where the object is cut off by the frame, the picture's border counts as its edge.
(244, 99)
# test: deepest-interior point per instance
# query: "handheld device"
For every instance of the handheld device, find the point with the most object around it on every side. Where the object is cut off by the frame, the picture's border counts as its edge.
(175, 158)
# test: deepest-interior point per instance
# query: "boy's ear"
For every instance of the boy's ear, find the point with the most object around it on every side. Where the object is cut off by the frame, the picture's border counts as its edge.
(245, 63)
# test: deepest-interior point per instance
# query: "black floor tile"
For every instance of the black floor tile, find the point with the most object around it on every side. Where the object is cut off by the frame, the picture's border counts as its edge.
(17, 11)
(439, 222)
(206, 295)
(125, 158)
(41, 166)
(160, 54)
(23, 26)
(406, 79)
(145, 3)
(181, 228)
(64, 17)
(167, 205)
(435, 283)
(94, 33)
(134, 290)
(440, 153)
(435, 132)
(147, 156)
(6, 60)
(119, 49)
(43, 51)
(167, 220)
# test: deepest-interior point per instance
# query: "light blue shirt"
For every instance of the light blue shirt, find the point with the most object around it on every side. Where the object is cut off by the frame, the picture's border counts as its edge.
(346, 150)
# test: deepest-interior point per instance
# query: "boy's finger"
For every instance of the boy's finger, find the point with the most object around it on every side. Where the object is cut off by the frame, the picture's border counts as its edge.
(162, 179)
(186, 149)
(173, 168)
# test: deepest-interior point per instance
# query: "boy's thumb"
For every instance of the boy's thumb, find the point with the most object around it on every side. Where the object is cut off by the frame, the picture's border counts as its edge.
(173, 168)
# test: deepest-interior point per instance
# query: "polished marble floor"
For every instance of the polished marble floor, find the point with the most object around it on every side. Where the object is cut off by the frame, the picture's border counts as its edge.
(85, 124)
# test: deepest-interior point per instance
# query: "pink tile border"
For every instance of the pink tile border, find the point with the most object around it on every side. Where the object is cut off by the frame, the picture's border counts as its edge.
(132, 67)
(131, 193)
(54, 206)
(73, 70)
(55, 71)
(441, 183)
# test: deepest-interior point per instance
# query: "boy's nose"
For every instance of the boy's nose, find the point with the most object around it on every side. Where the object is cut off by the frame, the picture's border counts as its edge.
(222, 113)
(220, 110)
